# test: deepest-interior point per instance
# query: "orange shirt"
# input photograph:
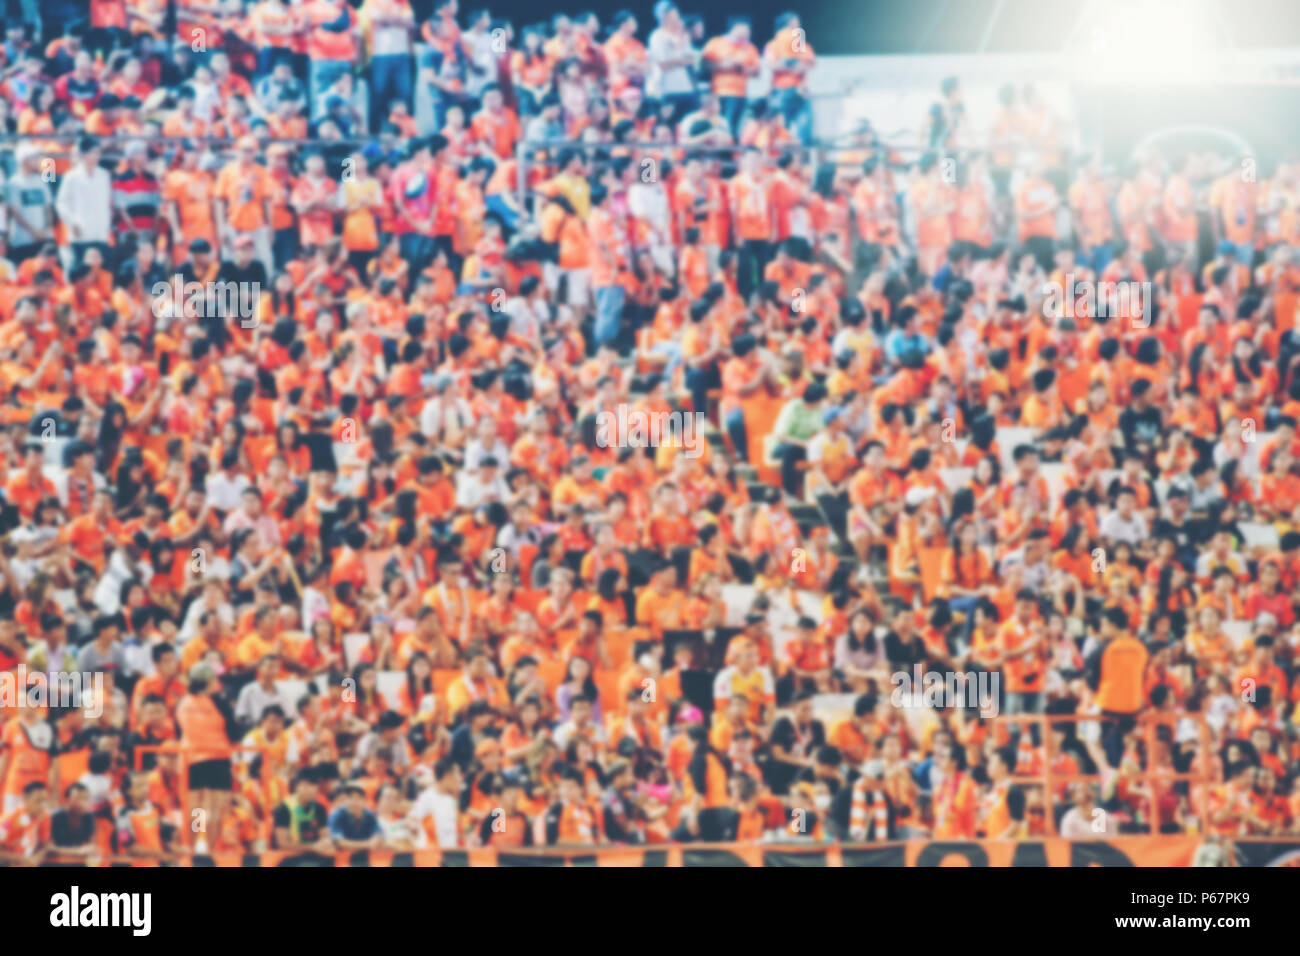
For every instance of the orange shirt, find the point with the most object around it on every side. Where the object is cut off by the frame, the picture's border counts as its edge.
(753, 208)
(568, 230)
(1179, 207)
(930, 201)
(972, 217)
(192, 192)
(203, 729)
(22, 833)
(620, 50)
(876, 213)
(316, 226)
(89, 536)
(1123, 665)
(181, 127)
(27, 493)
(1091, 212)
(263, 16)
(324, 44)
(789, 44)
(1023, 668)
(955, 803)
(28, 762)
(693, 268)
(608, 246)
(1035, 209)
(244, 191)
(702, 205)
(500, 131)
(730, 62)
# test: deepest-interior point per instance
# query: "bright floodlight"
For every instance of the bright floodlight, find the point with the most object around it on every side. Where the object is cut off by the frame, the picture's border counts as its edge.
(1147, 42)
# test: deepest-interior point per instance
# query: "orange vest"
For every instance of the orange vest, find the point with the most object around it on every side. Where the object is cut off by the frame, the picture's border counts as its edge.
(1122, 664)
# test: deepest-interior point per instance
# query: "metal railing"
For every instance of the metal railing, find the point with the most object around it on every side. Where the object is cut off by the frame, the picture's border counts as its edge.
(1154, 777)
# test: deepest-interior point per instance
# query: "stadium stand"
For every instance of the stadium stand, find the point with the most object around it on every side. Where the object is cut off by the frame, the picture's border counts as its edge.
(439, 435)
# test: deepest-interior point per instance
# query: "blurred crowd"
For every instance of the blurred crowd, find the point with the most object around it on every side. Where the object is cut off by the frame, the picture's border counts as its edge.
(310, 318)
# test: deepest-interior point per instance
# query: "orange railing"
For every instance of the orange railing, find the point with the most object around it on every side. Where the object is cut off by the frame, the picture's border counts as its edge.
(1153, 776)
(1162, 851)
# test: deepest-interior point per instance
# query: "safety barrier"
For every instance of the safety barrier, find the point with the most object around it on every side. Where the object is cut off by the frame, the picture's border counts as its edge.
(1142, 851)
(1153, 776)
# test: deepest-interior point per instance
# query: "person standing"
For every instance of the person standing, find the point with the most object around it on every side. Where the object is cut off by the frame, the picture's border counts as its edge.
(752, 215)
(29, 206)
(243, 202)
(391, 27)
(609, 257)
(1115, 672)
(436, 810)
(85, 202)
(332, 46)
(672, 58)
(207, 749)
(791, 59)
(733, 60)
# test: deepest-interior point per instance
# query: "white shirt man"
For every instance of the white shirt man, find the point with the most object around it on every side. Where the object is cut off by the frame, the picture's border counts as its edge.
(27, 196)
(225, 489)
(1116, 526)
(1084, 822)
(440, 802)
(478, 43)
(477, 449)
(529, 315)
(85, 200)
(256, 697)
(445, 412)
(648, 203)
(483, 485)
(209, 600)
(671, 55)
(391, 25)
(108, 592)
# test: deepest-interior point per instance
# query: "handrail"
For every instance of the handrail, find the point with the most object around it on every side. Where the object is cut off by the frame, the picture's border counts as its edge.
(1170, 849)
(1149, 721)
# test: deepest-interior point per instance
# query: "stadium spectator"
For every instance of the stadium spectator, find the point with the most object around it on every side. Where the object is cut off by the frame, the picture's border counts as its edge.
(541, 450)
